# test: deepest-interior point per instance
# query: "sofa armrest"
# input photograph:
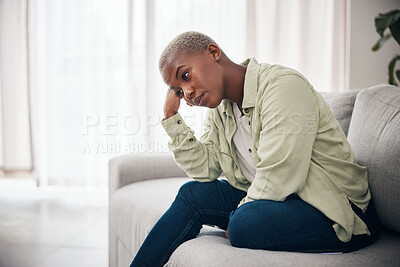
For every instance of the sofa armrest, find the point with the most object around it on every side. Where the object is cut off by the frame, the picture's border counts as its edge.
(133, 168)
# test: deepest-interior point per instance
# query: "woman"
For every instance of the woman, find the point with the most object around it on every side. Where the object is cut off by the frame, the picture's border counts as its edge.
(293, 183)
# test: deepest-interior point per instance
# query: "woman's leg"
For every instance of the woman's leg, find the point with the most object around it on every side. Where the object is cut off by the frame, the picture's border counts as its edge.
(293, 225)
(196, 204)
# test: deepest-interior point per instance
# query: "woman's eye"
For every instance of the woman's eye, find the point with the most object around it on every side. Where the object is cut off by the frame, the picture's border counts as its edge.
(185, 75)
(179, 92)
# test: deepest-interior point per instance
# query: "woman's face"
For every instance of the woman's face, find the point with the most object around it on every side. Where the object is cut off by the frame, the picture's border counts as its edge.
(197, 77)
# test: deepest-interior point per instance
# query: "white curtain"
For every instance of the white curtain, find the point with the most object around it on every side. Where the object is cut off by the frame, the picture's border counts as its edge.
(15, 137)
(95, 89)
(307, 35)
(80, 88)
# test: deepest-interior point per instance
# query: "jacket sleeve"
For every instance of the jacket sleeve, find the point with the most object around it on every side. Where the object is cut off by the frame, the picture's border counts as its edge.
(197, 158)
(288, 113)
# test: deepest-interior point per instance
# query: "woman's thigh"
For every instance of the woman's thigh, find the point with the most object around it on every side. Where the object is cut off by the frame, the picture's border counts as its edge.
(291, 225)
(212, 201)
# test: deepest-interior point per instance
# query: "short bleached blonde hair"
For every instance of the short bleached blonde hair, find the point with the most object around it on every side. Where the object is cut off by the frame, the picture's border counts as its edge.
(191, 41)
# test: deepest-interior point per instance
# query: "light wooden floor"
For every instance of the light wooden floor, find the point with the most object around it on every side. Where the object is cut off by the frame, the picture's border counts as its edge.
(50, 227)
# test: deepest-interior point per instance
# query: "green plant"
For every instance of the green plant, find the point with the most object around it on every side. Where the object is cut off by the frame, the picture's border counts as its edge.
(390, 21)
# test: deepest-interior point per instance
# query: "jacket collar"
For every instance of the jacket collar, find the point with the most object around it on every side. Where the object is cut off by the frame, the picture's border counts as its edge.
(250, 87)
(250, 82)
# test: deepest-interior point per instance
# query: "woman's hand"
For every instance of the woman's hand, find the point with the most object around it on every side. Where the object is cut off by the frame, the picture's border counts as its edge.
(172, 103)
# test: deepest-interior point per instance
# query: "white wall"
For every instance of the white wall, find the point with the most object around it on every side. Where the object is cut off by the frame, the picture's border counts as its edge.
(367, 68)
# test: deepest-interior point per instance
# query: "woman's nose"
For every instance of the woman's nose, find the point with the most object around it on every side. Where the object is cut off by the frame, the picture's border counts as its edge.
(189, 93)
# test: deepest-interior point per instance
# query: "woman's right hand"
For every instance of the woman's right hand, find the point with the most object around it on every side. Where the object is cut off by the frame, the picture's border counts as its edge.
(172, 103)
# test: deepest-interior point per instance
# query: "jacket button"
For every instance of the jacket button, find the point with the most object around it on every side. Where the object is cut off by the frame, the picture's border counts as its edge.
(246, 110)
(191, 140)
(249, 123)
(179, 121)
(249, 150)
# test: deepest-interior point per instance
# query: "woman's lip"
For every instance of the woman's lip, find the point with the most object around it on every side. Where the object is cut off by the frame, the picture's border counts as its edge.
(201, 100)
(198, 100)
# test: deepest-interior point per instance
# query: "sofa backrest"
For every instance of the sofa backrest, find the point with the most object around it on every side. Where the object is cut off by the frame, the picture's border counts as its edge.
(374, 135)
(342, 104)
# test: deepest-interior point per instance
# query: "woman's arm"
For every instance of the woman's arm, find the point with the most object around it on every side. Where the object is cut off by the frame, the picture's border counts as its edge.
(197, 158)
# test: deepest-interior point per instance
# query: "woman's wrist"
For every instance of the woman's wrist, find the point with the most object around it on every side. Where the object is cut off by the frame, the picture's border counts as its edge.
(169, 114)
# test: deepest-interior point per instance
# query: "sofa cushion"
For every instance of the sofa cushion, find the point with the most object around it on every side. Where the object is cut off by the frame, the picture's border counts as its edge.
(214, 250)
(374, 135)
(135, 208)
(342, 104)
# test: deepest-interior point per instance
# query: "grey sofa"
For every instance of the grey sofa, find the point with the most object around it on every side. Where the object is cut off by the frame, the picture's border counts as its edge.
(141, 188)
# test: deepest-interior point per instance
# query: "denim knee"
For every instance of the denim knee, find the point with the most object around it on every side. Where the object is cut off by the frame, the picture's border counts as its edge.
(239, 230)
(189, 188)
(245, 229)
(192, 192)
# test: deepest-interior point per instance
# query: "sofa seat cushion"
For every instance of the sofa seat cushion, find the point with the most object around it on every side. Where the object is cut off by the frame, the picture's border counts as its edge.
(214, 250)
(135, 208)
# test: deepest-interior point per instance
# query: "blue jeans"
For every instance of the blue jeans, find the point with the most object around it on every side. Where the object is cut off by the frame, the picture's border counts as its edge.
(291, 225)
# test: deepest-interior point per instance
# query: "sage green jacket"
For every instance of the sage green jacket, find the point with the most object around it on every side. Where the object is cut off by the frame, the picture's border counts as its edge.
(297, 146)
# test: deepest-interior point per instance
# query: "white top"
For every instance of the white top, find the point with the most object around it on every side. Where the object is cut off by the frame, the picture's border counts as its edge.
(242, 141)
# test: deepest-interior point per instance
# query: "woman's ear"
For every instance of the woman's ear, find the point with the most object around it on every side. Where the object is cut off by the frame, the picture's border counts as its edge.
(214, 51)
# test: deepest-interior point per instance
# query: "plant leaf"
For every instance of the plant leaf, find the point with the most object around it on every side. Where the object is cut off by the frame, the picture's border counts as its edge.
(383, 21)
(380, 42)
(395, 30)
(392, 63)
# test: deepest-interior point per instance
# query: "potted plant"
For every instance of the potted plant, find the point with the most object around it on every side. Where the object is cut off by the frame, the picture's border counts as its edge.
(389, 21)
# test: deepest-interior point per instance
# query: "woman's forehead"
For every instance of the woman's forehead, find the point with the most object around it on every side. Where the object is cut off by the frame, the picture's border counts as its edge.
(178, 60)
(173, 63)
